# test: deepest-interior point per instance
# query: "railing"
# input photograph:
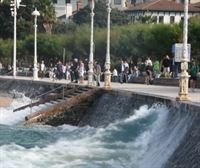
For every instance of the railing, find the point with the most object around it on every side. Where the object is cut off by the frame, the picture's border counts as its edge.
(46, 93)
(37, 100)
(42, 98)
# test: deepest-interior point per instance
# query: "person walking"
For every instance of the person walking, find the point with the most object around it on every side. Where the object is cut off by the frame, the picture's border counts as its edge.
(121, 71)
(74, 71)
(148, 69)
(193, 71)
(115, 75)
(97, 73)
(42, 69)
(166, 66)
(59, 70)
(81, 71)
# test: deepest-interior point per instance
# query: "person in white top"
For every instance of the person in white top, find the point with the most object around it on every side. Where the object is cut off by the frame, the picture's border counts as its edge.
(148, 62)
(126, 71)
(115, 75)
(1, 66)
(81, 70)
(42, 69)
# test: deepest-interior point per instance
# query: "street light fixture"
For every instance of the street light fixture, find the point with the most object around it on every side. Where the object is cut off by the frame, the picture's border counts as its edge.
(35, 13)
(107, 73)
(183, 82)
(90, 63)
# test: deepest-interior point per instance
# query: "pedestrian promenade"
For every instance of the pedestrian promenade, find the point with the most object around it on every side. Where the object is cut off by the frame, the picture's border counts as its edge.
(169, 92)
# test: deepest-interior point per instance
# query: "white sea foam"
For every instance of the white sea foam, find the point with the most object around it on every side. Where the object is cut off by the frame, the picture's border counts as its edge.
(85, 147)
(8, 117)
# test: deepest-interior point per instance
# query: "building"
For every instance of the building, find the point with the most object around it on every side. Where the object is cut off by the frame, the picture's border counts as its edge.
(163, 11)
(65, 8)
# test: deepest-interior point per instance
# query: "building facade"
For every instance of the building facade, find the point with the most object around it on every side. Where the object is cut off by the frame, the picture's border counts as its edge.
(65, 8)
(163, 11)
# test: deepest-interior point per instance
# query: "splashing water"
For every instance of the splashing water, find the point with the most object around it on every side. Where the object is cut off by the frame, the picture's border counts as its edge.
(134, 142)
(7, 117)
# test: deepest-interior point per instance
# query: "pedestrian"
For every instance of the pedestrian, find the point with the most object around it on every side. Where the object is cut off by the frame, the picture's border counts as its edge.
(97, 73)
(67, 71)
(59, 71)
(115, 75)
(81, 71)
(1, 66)
(166, 66)
(74, 71)
(121, 72)
(126, 71)
(42, 69)
(148, 62)
(193, 71)
(148, 70)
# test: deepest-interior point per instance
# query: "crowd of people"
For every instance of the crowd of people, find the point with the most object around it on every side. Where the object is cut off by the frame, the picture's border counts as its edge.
(166, 68)
(76, 70)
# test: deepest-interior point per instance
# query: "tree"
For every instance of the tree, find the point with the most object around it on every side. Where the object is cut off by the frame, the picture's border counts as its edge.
(25, 19)
(194, 35)
(82, 16)
(47, 11)
(6, 21)
(100, 17)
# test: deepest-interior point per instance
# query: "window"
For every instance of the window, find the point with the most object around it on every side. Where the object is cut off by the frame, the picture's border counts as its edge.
(55, 1)
(182, 19)
(172, 19)
(117, 2)
(67, 1)
(161, 19)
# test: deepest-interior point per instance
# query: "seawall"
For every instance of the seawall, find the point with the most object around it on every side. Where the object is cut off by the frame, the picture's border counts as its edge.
(186, 154)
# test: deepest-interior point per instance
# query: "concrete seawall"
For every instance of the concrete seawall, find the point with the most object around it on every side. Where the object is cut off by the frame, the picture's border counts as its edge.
(187, 153)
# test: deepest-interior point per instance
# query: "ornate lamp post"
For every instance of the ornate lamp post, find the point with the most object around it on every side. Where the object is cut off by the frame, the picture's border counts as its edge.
(14, 14)
(90, 63)
(107, 73)
(14, 5)
(35, 13)
(183, 82)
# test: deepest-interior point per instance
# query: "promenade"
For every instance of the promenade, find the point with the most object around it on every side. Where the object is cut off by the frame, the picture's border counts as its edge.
(169, 92)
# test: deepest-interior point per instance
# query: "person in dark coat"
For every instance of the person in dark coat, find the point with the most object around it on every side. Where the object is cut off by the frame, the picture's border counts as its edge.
(74, 71)
(59, 70)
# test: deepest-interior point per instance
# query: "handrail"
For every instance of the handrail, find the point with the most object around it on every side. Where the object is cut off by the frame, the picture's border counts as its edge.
(39, 96)
(50, 91)
(32, 103)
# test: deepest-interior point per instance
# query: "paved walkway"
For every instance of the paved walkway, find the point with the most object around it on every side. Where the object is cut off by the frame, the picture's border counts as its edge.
(155, 90)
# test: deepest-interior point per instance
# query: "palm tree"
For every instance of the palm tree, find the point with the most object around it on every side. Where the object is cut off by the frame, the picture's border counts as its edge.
(47, 12)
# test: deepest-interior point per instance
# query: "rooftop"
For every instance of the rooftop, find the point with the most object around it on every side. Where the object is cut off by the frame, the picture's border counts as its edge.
(163, 5)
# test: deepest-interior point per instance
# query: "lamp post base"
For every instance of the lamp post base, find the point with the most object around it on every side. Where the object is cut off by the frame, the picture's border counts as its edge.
(183, 97)
(183, 85)
(90, 79)
(35, 74)
(107, 79)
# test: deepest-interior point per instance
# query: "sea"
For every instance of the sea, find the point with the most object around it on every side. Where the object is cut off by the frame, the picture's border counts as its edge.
(144, 139)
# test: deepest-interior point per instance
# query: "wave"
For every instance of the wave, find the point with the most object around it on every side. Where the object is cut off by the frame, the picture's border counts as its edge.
(124, 143)
(8, 117)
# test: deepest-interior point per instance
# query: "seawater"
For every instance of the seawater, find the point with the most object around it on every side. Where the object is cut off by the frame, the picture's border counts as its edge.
(146, 139)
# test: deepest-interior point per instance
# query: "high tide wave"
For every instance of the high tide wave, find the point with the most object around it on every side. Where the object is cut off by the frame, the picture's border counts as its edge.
(145, 139)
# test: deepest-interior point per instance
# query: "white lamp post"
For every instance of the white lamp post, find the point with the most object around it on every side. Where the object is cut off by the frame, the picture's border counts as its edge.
(15, 38)
(107, 73)
(14, 5)
(183, 82)
(90, 63)
(35, 13)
